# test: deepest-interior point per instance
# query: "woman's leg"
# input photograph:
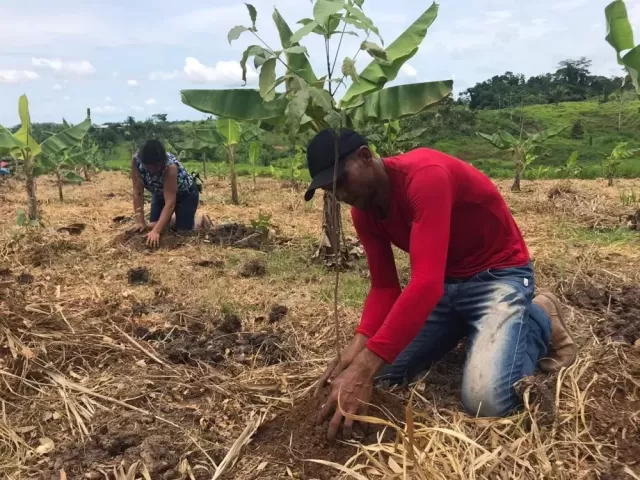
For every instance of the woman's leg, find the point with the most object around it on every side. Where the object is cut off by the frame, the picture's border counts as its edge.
(186, 207)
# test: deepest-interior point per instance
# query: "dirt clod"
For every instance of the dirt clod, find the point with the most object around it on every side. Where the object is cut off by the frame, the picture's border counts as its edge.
(277, 313)
(73, 229)
(210, 263)
(254, 268)
(230, 324)
(121, 219)
(138, 276)
(25, 278)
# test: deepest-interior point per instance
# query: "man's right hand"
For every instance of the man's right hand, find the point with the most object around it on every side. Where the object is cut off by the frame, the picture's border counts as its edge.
(337, 365)
(140, 226)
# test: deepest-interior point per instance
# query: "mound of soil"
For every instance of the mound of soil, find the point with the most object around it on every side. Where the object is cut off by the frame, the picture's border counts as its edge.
(277, 313)
(254, 268)
(620, 310)
(25, 278)
(561, 189)
(44, 255)
(210, 263)
(138, 276)
(129, 438)
(236, 235)
(230, 324)
(294, 433)
(73, 229)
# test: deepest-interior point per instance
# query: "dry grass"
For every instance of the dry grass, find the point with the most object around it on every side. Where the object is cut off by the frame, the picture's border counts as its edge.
(98, 374)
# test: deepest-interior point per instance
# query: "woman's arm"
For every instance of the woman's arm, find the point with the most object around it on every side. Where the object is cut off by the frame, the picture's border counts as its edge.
(138, 194)
(170, 193)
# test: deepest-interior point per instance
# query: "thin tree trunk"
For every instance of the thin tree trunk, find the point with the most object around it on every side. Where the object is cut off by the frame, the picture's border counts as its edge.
(330, 228)
(610, 180)
(34, 214)
(620, 115)
(232, 171)
(85, 170)
(516, 181)
(59, 182)
(204, 165)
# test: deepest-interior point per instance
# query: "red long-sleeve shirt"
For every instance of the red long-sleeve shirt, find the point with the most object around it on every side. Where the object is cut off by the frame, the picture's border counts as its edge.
(453, 222)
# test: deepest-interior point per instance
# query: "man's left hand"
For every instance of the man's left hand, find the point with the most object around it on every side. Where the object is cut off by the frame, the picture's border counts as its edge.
(353, 388)
(153, 239)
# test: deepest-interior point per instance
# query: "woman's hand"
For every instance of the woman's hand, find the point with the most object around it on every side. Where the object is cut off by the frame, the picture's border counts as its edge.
(153, 239)
(338, 365)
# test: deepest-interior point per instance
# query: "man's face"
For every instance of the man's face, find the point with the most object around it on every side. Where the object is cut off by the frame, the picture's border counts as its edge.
(356, 186)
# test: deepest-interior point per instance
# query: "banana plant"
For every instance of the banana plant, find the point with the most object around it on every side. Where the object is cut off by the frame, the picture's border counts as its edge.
(194, 145)
(524, 150)
(228, 133)
(308, 101)
(620, 37)
(27, 152)
(63, 167)
(393, 142)
(614, 160)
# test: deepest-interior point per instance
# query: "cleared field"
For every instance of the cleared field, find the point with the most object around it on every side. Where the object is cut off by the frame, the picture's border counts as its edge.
(196, 360)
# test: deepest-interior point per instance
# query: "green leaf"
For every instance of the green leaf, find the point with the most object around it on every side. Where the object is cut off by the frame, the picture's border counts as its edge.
(361, 21)
(39, 170)
(349, 69)
(240, 104)
(325, 8)
(296, 49)
(400, 101)
(375, 76)
(255, 51)
(296, 109)
(376, 51)
(73, 177)
(319, 30)
(619, 31)
(359, 3)
(229, 129)
(501, 139)
(322, 98)
(303, 32)
(235, 33)
(208, 137)
(8, 141)
(23, 135)
(253, 14)
(250, 133)
(254, 152)
(268, 80)
(296, 62)
(194, 145)
(545, 135)
(66, 139)
(631, 62)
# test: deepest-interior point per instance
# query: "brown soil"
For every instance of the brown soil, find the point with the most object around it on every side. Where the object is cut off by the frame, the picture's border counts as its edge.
(73, 229)
(138, 276)
(293, 436)
(230, 324)
(25, 278)
(121, 219)
(210, 263)
(561, 189)
(619, 310)
(277, 313)
(254, 268)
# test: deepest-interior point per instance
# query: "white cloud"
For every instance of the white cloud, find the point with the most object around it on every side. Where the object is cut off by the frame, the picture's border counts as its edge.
(150, 101)
(66, 98)
(164, 75)
(409, 71)
(497, 17)
(17, 76)
(132, 83)
(107, 109)
(224, 73)
(82, 67)
(108, 99)
(57, 86)
(115, 74)
(137, 108)
(539, 21)
(568, 5)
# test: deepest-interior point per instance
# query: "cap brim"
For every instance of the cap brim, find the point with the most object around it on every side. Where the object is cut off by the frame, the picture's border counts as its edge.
(323, 179)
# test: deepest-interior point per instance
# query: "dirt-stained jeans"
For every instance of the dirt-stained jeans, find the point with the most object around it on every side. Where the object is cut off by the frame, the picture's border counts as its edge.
(506, 336)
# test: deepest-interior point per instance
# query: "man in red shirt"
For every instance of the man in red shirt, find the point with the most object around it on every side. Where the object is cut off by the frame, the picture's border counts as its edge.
(471, 277)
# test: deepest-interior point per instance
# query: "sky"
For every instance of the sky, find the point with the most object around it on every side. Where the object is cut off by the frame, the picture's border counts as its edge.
(125, 57)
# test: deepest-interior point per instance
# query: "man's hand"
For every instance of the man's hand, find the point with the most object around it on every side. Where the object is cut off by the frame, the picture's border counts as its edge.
(140, 226)
(352, 388)
(337, 365)
(153, 239)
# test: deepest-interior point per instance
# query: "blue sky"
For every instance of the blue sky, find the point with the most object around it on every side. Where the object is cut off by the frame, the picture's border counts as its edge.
(133, 57)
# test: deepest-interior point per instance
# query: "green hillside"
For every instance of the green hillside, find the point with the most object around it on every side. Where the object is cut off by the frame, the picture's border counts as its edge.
(599, 122)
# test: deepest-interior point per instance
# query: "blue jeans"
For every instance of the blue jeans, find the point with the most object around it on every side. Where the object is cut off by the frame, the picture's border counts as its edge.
(186, 206)
(506, 336)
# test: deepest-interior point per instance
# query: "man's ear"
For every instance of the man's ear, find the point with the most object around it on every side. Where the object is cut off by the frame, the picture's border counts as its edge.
(364, 155)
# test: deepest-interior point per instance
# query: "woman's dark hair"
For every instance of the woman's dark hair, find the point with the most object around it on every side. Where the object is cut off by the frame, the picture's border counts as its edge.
(153, 153)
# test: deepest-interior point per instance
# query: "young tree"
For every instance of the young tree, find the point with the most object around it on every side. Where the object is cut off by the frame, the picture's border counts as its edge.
(308, 100)
(392, 141)
(254, 154)
(614, 160)
(524, 150)
(23, 148)
(63, 167)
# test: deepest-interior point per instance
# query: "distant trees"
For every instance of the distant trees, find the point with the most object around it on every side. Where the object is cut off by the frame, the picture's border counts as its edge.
(572, 81)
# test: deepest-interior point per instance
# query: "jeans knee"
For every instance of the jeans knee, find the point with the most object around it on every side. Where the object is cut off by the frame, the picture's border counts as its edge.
(487, 401)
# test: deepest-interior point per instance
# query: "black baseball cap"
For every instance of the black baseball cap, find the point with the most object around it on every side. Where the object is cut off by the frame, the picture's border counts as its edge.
(321, 155)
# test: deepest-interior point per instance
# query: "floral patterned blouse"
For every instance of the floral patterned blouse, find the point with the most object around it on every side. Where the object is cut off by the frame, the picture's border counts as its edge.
(154, 182)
